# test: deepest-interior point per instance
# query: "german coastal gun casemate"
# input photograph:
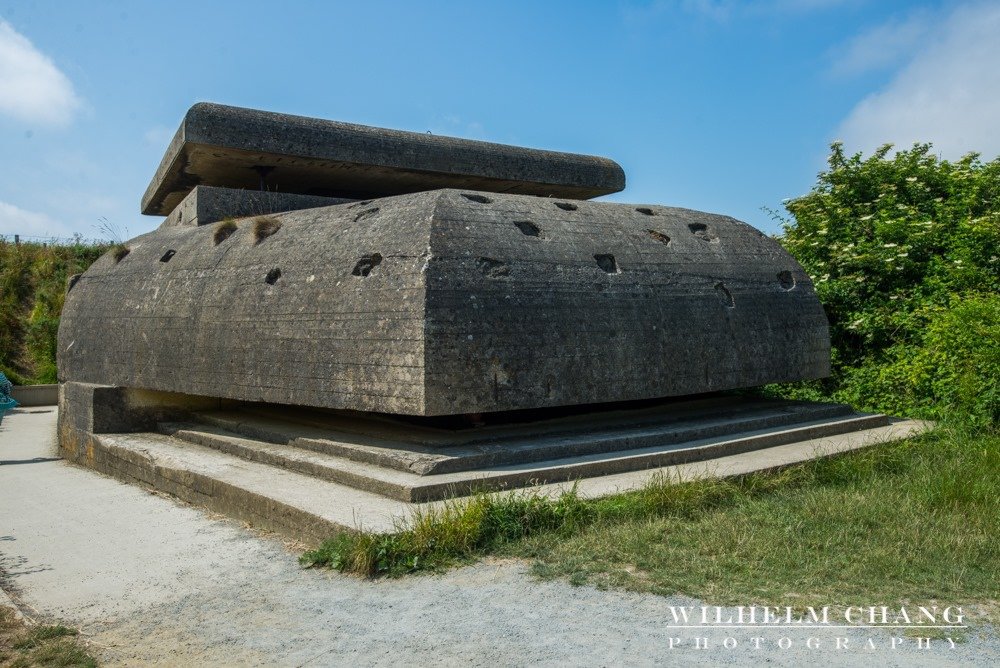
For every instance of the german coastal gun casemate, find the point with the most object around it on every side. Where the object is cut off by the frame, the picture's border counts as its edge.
(472, 278)
(321, 265)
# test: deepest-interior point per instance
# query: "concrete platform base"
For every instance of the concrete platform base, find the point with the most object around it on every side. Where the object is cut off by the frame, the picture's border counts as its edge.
(308, 475)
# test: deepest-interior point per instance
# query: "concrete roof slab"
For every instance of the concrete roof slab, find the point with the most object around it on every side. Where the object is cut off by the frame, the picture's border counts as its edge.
(233, 147)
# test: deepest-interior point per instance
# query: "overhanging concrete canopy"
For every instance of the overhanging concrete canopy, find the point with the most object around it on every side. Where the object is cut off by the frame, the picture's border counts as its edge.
(234, 147)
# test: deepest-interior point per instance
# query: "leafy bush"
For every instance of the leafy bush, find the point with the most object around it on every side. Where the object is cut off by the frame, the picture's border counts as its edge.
(953, 372)
(903, 251)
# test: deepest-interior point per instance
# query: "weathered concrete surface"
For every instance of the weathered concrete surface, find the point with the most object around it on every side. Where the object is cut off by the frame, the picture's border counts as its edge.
(208, 204)
(233, 147)
(151, 581)
(36, 395)
(448, 302)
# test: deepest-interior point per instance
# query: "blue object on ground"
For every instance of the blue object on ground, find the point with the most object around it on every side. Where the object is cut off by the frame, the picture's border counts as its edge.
(6, 401)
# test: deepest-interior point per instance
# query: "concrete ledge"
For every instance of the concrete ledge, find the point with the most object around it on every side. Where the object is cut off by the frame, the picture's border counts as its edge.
(234, 147)
(36, 395)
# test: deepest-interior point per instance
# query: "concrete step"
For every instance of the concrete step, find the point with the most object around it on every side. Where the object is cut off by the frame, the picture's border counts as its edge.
(415, 487)
(405, 447)
(295, 505)
(309, 509)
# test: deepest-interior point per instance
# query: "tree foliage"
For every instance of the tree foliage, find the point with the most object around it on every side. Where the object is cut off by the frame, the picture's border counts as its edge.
(903, 251)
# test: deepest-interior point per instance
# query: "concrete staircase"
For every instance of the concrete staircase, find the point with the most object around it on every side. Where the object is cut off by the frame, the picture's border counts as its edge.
(307, 474)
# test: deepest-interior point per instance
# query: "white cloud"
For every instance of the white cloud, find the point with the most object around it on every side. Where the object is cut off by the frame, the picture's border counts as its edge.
(883, 46)
(947, 94)
(31, 87)
(15, 220)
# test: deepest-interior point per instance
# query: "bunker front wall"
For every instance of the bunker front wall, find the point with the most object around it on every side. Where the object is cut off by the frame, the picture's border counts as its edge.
(448, 302)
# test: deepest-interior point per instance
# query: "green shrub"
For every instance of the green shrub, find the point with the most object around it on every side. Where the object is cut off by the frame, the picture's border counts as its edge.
(953, 372)
(903, 251)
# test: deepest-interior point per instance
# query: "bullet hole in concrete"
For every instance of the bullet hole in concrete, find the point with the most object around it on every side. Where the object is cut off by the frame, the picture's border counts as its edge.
(725, 295)
(659, 236)
(786, 280)
(493, 268)
(646, 211)
(566, 206)
(366, 264)
(265, 227)
(528, 228)
(367, 213)
(119, 252)
(477, 198)
(166, 256)
(701, 231)
(607, 262)
(273, 276)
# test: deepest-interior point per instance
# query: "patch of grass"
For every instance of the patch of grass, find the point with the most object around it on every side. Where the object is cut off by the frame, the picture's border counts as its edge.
(223, 230)
(914, 520)
(23, 645)
(264, 227)
(455, 531)
(119, 251)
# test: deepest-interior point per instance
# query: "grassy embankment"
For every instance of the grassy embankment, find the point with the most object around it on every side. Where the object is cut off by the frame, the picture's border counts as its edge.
(32, 287)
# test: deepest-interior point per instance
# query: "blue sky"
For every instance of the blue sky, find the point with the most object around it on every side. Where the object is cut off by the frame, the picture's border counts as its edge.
(715, 105)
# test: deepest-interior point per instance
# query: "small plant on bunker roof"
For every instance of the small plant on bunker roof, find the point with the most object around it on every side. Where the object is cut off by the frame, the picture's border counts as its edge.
(264, 227)
(114, 233)
(223, 231)
(119, 251)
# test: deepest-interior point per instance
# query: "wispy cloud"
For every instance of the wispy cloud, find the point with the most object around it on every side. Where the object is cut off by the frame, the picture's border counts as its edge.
(883, 46)
(31, 87)
(948, 93)
(15, 220)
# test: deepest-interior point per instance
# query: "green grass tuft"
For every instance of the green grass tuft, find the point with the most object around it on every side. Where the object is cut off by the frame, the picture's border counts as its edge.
(22, 645)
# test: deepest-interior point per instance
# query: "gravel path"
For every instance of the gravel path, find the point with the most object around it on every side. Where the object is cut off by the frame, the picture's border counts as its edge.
(153, 582)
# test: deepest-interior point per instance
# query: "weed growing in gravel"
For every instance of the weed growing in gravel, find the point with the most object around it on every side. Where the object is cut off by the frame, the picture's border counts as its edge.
(22, 645)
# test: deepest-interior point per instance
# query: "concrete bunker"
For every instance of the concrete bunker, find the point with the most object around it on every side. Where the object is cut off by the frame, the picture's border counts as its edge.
(431, 294)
